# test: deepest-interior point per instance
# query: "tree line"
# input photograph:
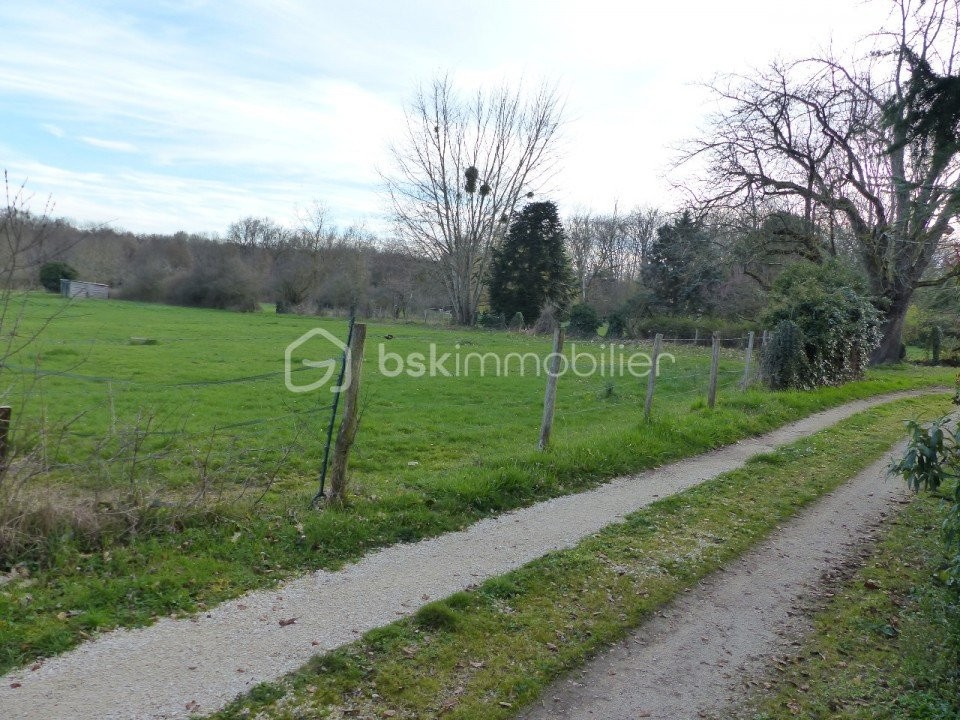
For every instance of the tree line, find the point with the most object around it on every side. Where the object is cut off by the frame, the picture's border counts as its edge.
(312, 268)
(862, 150)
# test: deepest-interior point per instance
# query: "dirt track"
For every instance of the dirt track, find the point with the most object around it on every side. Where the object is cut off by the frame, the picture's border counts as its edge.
(691, 660)
(178, 667)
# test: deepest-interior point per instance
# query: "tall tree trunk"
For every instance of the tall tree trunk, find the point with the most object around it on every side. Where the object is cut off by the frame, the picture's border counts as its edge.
(891, 340)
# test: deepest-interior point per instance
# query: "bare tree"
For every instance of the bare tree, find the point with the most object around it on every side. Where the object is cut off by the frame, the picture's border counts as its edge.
(23, 237)
(581, 244)
(599, 247)
(459, 173)
(611, 247)
(252, 232)
(832, 138)
(298, 258)
(640, 230)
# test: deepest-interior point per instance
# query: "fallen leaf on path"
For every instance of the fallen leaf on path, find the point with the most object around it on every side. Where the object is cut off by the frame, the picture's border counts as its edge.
(289, 621)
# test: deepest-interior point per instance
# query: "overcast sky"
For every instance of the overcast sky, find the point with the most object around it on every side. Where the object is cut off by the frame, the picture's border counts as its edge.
(164, 115)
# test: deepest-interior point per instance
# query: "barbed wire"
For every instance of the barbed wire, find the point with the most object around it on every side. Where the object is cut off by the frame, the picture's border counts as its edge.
(671, 390)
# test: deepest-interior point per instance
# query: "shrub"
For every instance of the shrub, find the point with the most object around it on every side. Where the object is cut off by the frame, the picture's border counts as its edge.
(218, 280)
(835, 326)
(491, 320)
(52, 272)
(932, 458)
(584, 321)
(616, 325)
(784, 361)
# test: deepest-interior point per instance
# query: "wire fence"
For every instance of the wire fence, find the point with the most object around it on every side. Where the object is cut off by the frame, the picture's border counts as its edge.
(111, 437)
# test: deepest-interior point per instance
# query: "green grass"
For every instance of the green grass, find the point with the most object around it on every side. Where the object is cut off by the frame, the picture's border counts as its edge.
(888, 644)
(432, 455)
(491, 651)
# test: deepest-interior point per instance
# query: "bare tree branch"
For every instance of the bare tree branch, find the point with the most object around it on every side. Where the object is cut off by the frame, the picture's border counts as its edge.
(460, 172)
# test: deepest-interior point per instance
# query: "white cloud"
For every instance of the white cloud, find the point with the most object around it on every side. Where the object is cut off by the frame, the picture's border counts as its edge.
(114, 145)
(214, 109)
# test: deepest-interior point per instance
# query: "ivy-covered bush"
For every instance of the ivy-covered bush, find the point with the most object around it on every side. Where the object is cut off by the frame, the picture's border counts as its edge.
(825, 327)
(784, 361)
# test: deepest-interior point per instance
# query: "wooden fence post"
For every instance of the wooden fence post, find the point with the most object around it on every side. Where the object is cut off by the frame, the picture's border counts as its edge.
(5, 413)
(348, 425)
(652, 377)
(550, 397)
(714, 370)
(746, 365)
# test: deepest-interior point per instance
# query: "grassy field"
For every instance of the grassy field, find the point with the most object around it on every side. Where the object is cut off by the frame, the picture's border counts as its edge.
(143, 436)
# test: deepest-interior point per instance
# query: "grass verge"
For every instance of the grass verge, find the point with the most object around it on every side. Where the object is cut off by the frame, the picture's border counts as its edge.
(490, 651)
(888, 644)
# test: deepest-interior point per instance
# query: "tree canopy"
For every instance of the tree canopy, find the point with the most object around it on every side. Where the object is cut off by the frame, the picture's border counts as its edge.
(682, 272)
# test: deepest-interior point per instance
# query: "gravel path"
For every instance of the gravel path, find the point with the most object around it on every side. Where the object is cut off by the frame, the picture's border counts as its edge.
(693, 658)
(178, 667)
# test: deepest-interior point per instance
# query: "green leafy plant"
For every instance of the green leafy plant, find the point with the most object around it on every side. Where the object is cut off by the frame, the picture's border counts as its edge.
(932, 459)
(490, 320)
(616, 325)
